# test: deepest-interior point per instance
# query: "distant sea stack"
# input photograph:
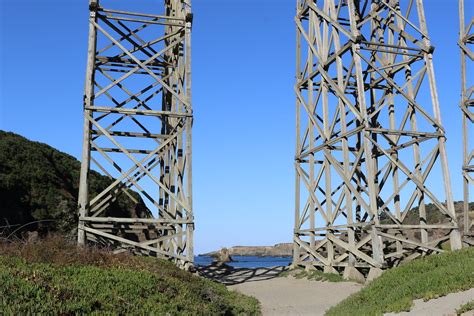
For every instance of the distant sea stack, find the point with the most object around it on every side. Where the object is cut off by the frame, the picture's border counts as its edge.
(278, 250)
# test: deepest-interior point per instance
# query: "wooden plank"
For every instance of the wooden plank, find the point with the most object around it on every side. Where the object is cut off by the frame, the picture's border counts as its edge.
(83, 196)
(135, 220)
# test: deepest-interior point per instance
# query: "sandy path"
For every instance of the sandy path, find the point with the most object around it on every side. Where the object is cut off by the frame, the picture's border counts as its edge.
(281, 295)
(445, 305)
(290, 296)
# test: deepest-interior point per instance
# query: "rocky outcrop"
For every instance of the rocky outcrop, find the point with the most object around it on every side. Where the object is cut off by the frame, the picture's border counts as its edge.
(223, 256)
(278, 250)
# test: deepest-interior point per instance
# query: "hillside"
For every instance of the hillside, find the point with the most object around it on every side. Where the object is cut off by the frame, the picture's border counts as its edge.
(53, 276)
(424, 278)
(38, 182)
(433, 216)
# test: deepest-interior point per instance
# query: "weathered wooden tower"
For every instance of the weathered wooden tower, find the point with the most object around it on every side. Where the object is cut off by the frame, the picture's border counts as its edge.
(370, 154)
(137, 130)
(466, 42)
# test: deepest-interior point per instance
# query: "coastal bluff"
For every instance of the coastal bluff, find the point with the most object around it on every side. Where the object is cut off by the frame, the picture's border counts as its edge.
(278, 250)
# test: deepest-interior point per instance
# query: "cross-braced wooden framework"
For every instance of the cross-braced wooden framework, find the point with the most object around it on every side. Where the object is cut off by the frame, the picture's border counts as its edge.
(466, 42)
(137, 130)
(370, 150)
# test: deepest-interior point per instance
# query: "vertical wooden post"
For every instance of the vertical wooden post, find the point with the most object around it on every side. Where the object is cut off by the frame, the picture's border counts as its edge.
(83, 196)
(296, 247)
(466, 42)
(189, 123)
(455, 239)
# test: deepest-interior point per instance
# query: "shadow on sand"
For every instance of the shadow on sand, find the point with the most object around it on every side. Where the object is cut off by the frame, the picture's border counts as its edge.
(228, 275)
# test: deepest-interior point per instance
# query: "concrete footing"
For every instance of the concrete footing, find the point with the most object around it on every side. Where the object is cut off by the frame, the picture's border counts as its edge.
(351, 273)
(373, 274)
(309, 267)
(329, 269)
(294, 266)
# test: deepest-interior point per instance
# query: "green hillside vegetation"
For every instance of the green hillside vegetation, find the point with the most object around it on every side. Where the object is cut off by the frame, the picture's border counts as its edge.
(38, 182)
(433, 216)
(425, 278)
(53, 275)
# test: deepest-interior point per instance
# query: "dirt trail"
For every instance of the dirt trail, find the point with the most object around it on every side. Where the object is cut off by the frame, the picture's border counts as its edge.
(290, 296)
(281, 295)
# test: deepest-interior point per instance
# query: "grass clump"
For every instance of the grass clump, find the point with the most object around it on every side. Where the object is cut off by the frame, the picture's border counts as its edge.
(89, 281)
(426, 278)
(465, 308)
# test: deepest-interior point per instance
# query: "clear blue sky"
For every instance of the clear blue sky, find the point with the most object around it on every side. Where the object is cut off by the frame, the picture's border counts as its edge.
(243, 76)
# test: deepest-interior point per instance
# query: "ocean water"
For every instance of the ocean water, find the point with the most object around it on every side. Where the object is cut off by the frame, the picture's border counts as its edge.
(247, 261)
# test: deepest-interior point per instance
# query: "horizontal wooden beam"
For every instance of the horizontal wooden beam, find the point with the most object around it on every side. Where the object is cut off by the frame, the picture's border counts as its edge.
(132, 134)
(134, 220)
(105, 109)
